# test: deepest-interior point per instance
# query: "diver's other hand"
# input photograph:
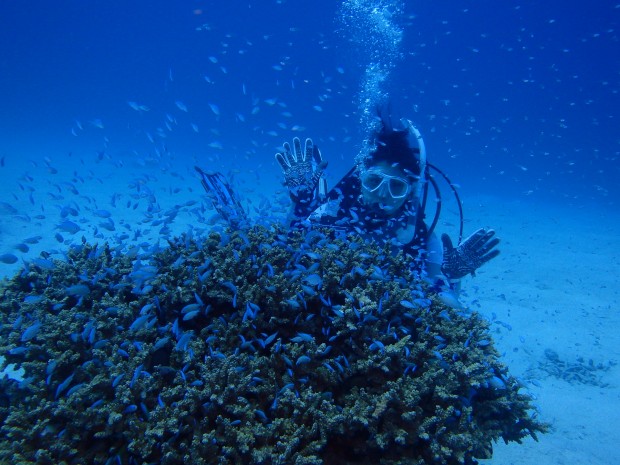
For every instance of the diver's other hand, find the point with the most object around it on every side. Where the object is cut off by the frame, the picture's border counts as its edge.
(302, 168)
(470, 255)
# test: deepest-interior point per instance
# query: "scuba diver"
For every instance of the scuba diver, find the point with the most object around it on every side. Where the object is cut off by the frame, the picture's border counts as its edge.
(383, 197)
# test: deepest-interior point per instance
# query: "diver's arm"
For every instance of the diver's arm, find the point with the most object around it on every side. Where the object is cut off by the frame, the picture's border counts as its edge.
(470, 254)
(434, 258)
(301, 209)
(447, 289)
(303, 171)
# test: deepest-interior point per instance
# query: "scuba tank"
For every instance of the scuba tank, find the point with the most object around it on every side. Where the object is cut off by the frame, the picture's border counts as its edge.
(426, 177)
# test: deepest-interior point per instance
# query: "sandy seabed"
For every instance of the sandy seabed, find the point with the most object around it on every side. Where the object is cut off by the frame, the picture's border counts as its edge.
(555, 286)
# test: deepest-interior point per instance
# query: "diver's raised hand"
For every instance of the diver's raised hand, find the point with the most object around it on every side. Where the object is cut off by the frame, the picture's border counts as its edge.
(470, 254)
(302, 168)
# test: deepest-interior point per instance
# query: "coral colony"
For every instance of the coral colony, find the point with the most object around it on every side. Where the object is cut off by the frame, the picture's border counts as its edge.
(250, 346)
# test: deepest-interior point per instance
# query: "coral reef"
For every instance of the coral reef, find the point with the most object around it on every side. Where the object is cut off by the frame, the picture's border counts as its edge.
(578, 372)
(255, 346)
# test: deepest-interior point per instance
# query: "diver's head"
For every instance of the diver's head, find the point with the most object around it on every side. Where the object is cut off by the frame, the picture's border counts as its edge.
(391, 173)
(386, 186)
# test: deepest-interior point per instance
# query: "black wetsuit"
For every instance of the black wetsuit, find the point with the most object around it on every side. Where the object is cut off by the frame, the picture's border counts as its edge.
(342, 208)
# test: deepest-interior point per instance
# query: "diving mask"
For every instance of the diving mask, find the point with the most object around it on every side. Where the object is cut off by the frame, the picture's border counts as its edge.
(397, 187)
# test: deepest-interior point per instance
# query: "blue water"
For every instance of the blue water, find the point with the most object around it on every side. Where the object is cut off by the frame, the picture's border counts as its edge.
(518, 95)
(108, 105)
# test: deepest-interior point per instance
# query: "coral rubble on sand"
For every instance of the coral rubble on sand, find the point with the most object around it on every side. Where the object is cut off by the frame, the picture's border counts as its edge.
(255, 346)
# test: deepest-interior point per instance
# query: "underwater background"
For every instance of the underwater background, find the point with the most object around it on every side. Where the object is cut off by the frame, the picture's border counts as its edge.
(107, 106)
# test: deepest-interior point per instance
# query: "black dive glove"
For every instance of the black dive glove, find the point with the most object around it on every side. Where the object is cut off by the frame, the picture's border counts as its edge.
(302, 169)
(470, 254)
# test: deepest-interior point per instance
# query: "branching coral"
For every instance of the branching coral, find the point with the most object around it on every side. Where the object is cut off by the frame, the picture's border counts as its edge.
(255, 346)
